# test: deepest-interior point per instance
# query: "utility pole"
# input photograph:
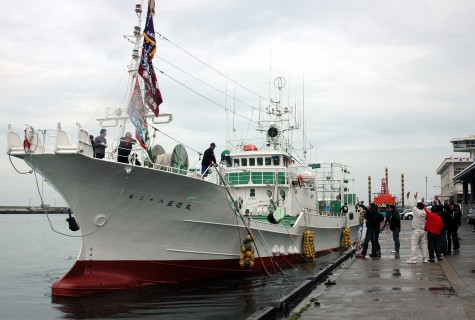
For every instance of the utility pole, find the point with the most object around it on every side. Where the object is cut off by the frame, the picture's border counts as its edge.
(369, 190)
(426, 188)
(402, 190)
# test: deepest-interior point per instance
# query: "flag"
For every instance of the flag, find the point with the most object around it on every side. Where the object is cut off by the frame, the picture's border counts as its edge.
(137, 114)
(149, 43)
(153, 97)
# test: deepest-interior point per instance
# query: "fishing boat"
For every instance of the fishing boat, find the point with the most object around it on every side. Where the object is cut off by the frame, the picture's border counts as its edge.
(258, 209)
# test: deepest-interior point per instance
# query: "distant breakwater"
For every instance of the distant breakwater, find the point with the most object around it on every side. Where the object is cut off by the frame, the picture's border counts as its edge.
(32, 210)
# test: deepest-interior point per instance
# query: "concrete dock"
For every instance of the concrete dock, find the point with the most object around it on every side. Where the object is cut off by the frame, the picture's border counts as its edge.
(389, 288)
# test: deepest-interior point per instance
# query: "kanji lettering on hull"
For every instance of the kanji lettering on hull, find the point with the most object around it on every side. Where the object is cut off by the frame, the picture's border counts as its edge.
(162, 201)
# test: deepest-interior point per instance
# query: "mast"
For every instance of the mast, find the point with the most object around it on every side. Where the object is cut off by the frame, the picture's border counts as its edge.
(303, 122)
(133, 67)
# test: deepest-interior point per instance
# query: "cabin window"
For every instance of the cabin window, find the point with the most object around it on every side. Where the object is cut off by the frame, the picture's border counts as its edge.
(244, 162)
(260, 161)
(268, 161)
(252, 162)
(236, 162)
(229, 162)
(276, 160)
(252, 193)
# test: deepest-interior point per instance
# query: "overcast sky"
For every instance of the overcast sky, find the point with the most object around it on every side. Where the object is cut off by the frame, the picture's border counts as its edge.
(387, 83)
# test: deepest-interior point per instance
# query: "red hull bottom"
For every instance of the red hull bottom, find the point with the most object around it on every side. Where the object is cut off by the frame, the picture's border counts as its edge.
(93, 277)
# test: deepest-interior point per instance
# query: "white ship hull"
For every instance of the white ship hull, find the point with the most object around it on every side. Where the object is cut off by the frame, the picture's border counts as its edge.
(143, 226)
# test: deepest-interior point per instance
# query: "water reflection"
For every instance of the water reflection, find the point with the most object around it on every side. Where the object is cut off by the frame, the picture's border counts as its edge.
(230, 299)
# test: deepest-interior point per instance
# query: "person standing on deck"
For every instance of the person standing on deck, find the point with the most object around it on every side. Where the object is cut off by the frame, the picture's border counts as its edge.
(418, 237)
(395, 226)
(208, 159)
(125, 147)
(100, 144)
(91, 137)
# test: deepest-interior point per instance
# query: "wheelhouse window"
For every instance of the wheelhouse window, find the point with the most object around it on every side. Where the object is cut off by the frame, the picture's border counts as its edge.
(268, 161)
(276, 160)
(252, 162)
(260, 161)
(236, 162)
(244, 162)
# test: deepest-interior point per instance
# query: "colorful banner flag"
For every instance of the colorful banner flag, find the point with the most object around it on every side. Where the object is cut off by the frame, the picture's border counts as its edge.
(137, 114)
(149, 43)
(153, 97)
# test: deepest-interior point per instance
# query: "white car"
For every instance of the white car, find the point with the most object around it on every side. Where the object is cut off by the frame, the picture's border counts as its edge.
(471, 214)
(406, 214)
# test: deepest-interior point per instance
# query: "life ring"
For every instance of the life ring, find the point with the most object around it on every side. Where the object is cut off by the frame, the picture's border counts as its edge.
(300, 180)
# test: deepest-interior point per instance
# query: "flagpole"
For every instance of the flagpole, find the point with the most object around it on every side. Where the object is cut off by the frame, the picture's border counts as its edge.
(133, 68)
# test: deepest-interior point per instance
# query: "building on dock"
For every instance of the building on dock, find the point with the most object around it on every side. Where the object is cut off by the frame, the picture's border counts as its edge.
(454, 178)
(467, 179)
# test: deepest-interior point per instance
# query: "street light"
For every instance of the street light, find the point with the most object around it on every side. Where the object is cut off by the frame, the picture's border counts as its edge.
(426, 187)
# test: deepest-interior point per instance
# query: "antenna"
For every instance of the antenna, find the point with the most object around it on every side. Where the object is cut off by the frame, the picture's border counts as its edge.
(228, 136)
(234, 110)
(270, 71)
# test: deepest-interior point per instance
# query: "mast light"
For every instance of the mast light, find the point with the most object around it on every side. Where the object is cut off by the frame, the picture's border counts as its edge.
(138, 8)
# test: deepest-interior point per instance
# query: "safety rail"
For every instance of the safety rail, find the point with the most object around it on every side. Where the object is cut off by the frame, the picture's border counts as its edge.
(256, 177)
(59, 142)
(41, 141)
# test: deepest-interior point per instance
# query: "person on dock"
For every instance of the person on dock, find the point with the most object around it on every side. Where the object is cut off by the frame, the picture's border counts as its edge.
(418, 237)
(471, 220)
(125, 147)
(395, 226)
(433, 227)
(373, 221)
(208, 159)
(456, 222)
(100, 145)
(444, 213)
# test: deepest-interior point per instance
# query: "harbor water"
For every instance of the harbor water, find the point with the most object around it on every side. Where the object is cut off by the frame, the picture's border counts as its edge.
(33, 257)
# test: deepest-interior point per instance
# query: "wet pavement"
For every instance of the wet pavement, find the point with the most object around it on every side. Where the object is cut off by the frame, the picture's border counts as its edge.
(389, 288)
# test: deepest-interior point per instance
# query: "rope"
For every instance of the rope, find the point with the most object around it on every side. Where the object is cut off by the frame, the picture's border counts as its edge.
(236, 211)
(204, 97)
(161, 37)
(199, 153)
(47, 215)
(10, 158)
(105, 99)
(207, 84)
(265, 248)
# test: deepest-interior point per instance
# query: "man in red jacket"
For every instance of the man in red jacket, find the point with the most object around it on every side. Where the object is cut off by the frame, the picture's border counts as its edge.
(433, 227)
